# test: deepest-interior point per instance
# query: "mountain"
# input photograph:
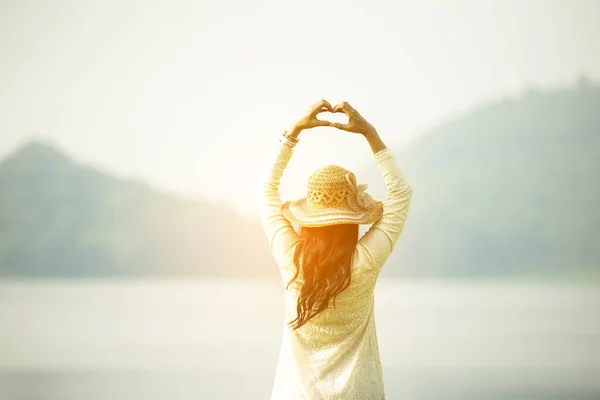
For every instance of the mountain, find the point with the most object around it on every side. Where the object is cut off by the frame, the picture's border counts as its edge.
(62, 219)
(512, 187)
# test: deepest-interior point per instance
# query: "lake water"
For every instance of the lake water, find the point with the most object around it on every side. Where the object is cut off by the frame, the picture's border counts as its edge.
(219, 339)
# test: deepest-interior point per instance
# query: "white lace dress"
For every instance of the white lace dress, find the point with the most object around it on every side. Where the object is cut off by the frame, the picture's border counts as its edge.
(335, 355)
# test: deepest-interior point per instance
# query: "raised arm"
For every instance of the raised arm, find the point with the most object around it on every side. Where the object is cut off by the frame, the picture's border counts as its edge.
(280, 232)
(380, 239)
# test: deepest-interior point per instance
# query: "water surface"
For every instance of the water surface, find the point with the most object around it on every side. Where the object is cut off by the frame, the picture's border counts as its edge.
(219, 339)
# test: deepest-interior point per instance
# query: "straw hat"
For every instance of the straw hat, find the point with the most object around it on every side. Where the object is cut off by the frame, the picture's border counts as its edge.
(333, 198)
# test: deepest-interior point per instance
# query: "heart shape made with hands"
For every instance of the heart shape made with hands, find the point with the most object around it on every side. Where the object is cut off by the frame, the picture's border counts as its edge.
(337, 116)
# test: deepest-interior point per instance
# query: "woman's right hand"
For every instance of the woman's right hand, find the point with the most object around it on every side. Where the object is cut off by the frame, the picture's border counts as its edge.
(356, 123)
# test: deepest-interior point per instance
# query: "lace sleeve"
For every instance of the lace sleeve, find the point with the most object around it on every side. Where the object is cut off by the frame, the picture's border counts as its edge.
(380, 239)
(280, 232)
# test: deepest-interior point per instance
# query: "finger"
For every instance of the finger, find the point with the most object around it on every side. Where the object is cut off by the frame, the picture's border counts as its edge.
(321, 122)
(338, 125)
(325, 109)
(339, 108)
(350, 109)
(323, 104)
(347, 109)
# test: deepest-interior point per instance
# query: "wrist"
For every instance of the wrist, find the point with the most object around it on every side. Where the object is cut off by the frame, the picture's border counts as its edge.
(370, 133)
(294, 132)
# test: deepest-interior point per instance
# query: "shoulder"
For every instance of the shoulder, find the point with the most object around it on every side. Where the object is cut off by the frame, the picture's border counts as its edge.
(364, 259)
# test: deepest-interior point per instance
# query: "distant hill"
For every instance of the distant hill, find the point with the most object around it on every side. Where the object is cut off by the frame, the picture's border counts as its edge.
(511, 188)
(59, 218)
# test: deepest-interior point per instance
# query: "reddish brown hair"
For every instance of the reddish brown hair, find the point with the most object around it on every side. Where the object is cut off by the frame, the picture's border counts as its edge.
(324, 256)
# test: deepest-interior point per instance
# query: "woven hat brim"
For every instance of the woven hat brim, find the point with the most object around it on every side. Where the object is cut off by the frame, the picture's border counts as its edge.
(300, 213)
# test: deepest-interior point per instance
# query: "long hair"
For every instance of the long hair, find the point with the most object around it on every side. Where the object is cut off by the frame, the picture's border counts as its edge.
(324, 256)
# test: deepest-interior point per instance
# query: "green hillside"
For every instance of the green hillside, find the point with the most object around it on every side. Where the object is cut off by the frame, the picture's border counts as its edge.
(510, 188)
(59, 218)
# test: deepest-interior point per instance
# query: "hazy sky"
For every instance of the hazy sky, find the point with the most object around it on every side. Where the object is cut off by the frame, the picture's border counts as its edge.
(191, 96)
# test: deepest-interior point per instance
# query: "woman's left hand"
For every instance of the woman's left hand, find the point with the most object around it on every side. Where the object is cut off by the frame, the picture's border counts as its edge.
(310, 120)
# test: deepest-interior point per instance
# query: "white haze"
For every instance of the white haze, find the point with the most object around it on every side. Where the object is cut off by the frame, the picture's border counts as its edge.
(191, 95)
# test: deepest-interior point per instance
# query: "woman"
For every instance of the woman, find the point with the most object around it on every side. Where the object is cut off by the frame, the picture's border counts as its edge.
(329, 349)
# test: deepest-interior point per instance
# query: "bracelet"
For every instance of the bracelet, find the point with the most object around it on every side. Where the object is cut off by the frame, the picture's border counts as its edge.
(288, 140)
(295, 140)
